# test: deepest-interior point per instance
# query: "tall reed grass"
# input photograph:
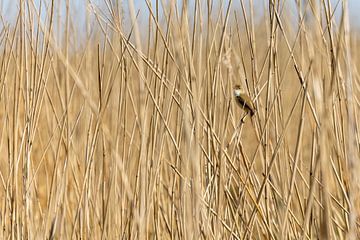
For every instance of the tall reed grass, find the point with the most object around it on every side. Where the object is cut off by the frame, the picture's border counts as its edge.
(124, 126)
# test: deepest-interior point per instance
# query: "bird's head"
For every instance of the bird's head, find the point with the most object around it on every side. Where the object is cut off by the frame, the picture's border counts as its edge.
(238, 90)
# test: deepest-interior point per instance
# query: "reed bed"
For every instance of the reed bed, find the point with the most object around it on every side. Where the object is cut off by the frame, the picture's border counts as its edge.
(124, 125)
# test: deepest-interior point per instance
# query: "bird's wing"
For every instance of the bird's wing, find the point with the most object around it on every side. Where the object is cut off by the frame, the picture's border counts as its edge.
(247, 102)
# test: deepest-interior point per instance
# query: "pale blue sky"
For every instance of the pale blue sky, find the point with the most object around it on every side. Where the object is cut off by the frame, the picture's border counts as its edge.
(8, 8)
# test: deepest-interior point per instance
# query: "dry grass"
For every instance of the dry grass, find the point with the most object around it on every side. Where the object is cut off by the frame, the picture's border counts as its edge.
(130, 130)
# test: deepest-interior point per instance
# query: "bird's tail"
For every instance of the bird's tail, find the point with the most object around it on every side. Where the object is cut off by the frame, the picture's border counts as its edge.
(252, 113)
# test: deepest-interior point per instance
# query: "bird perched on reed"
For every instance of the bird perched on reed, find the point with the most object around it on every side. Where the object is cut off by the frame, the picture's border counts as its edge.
(244, 101)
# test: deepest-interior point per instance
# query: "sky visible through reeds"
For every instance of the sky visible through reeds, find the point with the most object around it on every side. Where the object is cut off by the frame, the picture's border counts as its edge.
(10, 8)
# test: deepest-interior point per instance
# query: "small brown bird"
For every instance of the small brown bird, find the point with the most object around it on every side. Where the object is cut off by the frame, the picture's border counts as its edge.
(244, 101)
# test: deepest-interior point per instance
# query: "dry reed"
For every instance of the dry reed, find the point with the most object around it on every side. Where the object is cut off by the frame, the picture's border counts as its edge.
(129, 130)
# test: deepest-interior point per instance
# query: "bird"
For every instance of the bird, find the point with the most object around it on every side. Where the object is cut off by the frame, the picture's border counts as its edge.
(244, 101)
